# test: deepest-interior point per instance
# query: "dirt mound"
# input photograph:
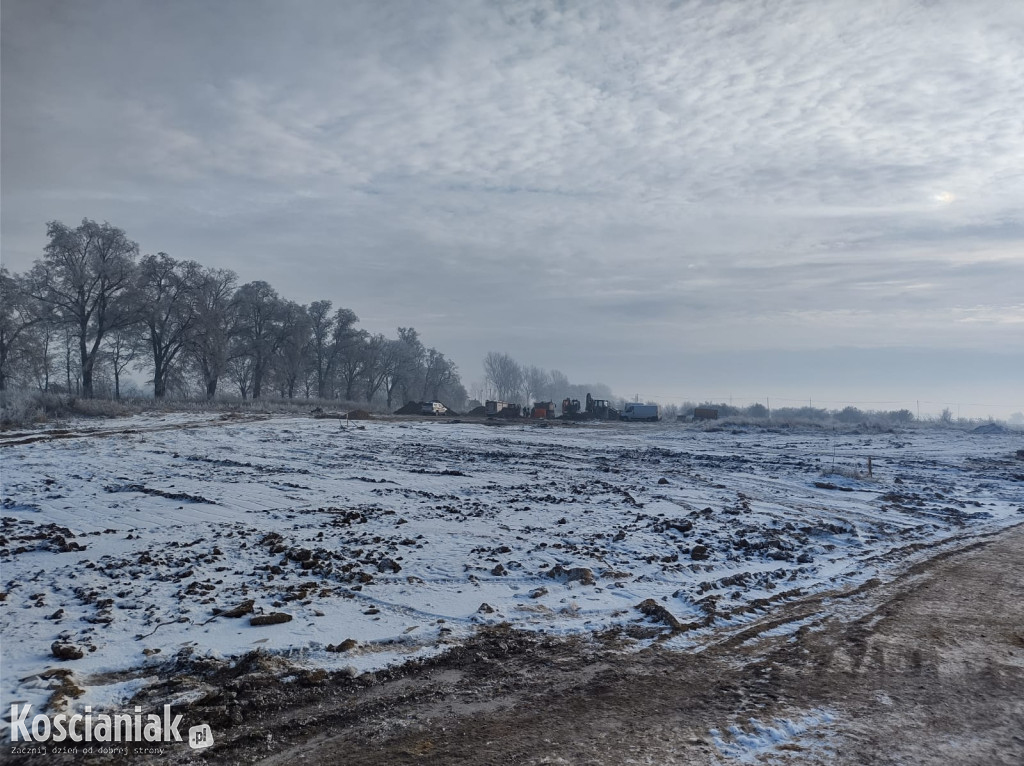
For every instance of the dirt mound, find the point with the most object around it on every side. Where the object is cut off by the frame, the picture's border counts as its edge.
(477, 412)
(990, 428)
(411, 408)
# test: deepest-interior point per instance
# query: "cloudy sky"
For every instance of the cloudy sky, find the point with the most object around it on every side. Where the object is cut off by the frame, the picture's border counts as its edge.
(817, 200)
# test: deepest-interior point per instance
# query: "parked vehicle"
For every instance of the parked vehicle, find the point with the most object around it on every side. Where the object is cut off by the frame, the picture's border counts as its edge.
(433, 408)
(637, 411)
(570, 408)
(543, 410)
(600, 409)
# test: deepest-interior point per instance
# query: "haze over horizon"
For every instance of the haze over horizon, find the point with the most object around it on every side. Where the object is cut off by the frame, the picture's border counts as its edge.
(685, 200)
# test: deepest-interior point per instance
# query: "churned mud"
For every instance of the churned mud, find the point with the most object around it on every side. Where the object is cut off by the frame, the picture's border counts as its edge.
(927, 668)
(408, 592)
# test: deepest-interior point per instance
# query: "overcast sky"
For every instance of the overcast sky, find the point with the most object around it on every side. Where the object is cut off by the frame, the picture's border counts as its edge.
(807, 200)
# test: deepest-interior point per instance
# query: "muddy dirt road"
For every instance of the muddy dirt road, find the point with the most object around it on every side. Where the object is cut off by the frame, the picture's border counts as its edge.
(925, 669)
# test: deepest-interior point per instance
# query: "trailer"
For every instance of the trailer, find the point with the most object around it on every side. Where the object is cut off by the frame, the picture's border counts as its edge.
(705, 413)
(637, 411)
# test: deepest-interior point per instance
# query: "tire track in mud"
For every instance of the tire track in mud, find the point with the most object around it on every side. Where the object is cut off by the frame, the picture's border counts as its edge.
(872, 657)
(20, 438)
(927, 667)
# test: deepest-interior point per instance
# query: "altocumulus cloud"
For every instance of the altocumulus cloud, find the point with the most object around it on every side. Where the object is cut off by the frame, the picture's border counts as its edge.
(675, 176)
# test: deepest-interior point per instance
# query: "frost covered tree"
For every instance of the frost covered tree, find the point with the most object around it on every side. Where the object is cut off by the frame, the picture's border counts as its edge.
(18, 316)
(382, 359)
(121, 348)
(321, 327)
(292, 354)
(259, 314)
(86, 276)
(349, 350)
(210, 340)
(409, 374)
(167, 295)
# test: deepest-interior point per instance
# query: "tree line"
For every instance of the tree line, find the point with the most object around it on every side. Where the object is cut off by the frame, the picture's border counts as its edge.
(509, 381)
(91, 307)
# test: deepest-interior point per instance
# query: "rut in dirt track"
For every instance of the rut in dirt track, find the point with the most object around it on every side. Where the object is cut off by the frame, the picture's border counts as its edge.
(926, 669)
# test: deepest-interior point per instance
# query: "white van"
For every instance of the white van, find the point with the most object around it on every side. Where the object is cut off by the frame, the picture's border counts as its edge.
(433, 408)
(637, 411)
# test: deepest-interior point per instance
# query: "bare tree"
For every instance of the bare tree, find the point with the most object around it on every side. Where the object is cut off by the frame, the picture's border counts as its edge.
(349, 350)
(504, 375)
(559, 385)
(293, 346)
(167, 294)
(120, 349)
(86, 276)
(210, 340)
(38, 354)
(440, 372)
(258, 316)
(18, 315)
(240, 369)
(71, 366)
(536, 383)
(409, 372)
(382, 357)
(321, 326)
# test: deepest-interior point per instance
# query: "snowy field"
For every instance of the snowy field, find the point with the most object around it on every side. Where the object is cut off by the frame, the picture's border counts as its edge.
(387, 540)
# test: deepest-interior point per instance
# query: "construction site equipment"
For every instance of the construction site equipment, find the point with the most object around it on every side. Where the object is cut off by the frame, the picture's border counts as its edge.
(599, 409)
(570, 407)
(705, 413)
(637, 411)
(543, 410)
(497, 409)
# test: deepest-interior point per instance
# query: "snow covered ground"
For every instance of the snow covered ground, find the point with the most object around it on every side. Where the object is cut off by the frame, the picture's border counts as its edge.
(404, 536)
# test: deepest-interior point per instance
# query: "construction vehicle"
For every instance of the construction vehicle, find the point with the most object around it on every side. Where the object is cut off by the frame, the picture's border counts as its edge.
(543, 410)
(599, 409)
(570, 407)
(637, 411)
